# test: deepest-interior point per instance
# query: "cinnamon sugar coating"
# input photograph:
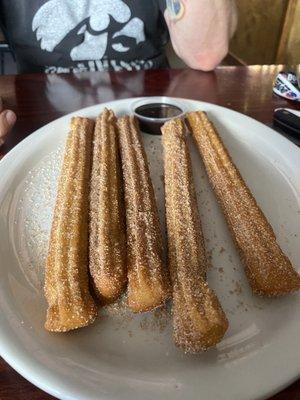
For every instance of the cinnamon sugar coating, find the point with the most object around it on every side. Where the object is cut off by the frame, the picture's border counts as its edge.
(148, 282)
(70, 304)
(198, 319)
(269, 271)
(107, 240)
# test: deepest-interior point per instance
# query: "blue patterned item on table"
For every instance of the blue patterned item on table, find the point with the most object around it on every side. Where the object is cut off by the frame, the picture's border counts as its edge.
(286, 85)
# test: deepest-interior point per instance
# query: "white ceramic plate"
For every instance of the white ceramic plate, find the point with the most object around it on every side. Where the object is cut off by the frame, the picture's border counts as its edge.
(132, 357)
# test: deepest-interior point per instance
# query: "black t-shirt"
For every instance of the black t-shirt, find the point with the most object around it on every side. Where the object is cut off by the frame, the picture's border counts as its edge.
(85, 35)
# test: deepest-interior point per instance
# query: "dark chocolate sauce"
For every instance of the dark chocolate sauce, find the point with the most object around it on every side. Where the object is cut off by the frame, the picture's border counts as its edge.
(158, 111)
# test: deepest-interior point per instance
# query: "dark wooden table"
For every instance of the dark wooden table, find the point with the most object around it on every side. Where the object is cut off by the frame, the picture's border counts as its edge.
(38, 99)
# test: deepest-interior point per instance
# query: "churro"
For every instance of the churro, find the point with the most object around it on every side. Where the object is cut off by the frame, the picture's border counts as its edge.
(107, 225)
(198, 319)
(70, 304)
(148, 283)
(268, 269)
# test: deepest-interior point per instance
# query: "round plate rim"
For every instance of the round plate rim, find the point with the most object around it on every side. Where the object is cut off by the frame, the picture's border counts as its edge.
(32, 373)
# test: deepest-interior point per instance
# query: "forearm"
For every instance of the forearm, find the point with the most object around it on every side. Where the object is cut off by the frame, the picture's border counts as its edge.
(201, 36)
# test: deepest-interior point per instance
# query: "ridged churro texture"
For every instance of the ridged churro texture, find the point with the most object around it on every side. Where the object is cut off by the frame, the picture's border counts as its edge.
(198, 319)
(107, 218)
(268, 269)
(66, 282)
(148, 283)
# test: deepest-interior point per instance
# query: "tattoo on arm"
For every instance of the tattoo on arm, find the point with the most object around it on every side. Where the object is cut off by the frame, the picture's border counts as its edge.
(175, 9)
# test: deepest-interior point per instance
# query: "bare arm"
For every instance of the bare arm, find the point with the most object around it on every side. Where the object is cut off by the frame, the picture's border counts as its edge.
(201, 36)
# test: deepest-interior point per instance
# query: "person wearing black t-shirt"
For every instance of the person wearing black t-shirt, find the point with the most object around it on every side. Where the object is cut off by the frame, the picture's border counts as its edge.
(57, 36)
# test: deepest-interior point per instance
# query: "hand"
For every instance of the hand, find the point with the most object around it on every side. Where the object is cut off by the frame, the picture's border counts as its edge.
(7, 121)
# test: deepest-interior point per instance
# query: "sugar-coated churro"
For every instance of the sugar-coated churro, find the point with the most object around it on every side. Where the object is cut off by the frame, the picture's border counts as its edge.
(268, 269)
(66, 283)
(198, 319)
(107, 225)
(148, 283)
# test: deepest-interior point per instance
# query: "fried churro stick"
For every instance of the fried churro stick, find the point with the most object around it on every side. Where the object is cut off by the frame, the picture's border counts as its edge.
(66, 283)
(107, 224)
(269, 271)
(148, 283)
(198, 319)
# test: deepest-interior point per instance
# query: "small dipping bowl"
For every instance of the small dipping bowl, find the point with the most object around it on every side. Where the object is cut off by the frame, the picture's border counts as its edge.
(153, 112)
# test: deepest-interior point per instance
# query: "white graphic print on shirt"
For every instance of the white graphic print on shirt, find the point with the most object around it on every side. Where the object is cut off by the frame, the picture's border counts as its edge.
(57, 18)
